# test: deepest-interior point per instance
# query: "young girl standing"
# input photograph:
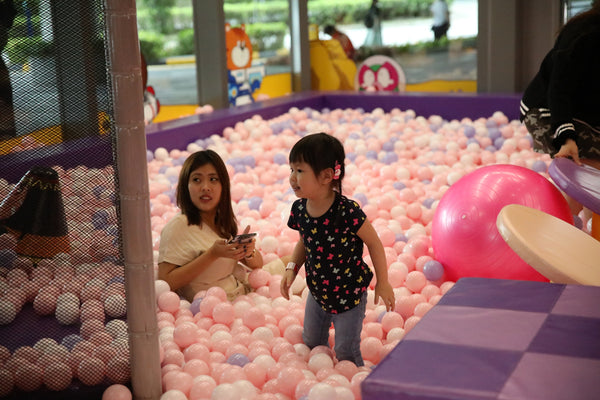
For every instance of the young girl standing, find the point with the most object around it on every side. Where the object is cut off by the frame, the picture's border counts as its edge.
(332, 231)
(194, 252)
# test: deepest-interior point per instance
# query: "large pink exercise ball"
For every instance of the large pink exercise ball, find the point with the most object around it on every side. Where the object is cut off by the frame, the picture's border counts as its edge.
(464, 235)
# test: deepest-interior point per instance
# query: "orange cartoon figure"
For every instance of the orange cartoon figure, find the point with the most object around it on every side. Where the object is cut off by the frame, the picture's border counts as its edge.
(243, 78)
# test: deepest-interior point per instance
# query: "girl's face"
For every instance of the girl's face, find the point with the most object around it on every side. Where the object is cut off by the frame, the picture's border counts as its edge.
(303, 180)
(205, 188)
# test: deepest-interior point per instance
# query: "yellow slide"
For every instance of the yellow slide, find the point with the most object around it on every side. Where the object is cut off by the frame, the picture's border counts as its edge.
(330, 68)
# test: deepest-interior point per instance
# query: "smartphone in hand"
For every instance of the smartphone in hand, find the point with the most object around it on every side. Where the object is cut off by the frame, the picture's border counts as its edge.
(242, 238)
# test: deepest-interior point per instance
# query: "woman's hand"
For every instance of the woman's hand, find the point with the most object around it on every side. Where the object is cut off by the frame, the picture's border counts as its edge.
(569, 150)
(222, 248)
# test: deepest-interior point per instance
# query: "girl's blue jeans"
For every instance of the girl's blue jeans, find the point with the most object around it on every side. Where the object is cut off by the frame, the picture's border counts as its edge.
(348, 326)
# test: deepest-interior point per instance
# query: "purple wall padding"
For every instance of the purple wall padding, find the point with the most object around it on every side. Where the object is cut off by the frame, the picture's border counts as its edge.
(177, 134)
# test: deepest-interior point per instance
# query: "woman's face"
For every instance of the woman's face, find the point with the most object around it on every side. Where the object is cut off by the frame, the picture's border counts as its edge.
(205, 188)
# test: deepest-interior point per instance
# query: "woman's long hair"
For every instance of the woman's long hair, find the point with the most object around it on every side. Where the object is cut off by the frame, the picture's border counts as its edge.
(225, 220)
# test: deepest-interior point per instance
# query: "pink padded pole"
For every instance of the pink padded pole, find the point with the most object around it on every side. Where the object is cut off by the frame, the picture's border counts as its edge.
(130, 141)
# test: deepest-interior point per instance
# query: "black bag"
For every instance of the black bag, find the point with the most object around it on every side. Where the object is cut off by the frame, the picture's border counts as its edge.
(370, 18)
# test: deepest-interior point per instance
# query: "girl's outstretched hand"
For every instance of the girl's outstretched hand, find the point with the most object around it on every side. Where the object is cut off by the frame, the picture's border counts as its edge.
(286, 282)
(385, 291)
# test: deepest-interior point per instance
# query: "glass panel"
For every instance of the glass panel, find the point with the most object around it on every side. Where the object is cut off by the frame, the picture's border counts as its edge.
(166, 33)
(574, 7)
(266, 23)
(446, 64)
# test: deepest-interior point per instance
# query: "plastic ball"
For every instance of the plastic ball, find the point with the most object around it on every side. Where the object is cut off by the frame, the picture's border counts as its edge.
(433, 270)
(238, 359)
(168, 301)
(57, 376)
(91, 371)
(8, 312)
(464, 234)
(117, 392)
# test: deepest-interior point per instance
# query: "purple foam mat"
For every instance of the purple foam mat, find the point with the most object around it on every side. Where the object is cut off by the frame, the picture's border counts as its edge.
(177, 134)
(470, 346)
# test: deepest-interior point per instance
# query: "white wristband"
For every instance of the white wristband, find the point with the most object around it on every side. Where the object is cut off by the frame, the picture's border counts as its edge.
(292, 266)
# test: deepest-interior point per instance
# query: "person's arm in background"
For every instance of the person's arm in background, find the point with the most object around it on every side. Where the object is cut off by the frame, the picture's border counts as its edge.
(567, 61)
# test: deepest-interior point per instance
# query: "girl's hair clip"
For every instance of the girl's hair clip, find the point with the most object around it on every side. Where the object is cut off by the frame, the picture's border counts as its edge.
(337, 171)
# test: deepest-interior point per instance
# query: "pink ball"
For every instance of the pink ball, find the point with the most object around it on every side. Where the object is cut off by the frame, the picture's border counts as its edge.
(57, 376)
(464, 235)
(28, 377)
(288, 379)
(320, 361)
(178, 380)
(185, 334)
(254, 318)
(218, 292)
(387, 237)
(208, 305)
(223, 313)
(303, 388)
(255, 373)
(118, 370)
(196, 351)
(370, 347)
(293, 334)
(91, 371)
(117, 392)
(168, 301)
(258, 278)
(396, 277)
(415, 281)
(391, 320)
(201, 388)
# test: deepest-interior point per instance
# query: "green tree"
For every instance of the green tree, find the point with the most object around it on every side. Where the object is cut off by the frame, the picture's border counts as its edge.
(160, 12)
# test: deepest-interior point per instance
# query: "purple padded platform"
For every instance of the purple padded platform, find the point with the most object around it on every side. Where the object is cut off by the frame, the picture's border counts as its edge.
(498, 339)
(580, 182)
(177, 134)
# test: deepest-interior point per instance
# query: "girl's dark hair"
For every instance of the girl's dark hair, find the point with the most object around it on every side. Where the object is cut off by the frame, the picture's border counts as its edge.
(320, 151)
(225, 220)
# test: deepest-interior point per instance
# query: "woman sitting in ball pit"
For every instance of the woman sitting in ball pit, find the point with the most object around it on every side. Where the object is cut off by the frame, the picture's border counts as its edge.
(195, 251)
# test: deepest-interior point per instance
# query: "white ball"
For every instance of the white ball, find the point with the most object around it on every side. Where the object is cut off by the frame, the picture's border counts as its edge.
(7, 312)
(160, 287)
(66, 313)
(117, 328)
(115, 306)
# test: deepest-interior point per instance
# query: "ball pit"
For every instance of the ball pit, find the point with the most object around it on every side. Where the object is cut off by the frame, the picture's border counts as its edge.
(400, 166)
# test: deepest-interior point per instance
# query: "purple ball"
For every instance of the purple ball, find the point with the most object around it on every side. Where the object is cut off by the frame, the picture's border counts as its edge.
(433, 270)
(255, 202)
(238, 359)
(195, 306)
(539, 166)
(361, 198)
(498, 143)
(280, 159)
(469, 131)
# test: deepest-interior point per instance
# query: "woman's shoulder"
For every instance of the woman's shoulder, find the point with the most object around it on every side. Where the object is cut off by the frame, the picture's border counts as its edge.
(179, 221)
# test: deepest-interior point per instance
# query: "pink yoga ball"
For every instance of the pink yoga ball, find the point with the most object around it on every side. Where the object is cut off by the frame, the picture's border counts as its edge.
(464, 235)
